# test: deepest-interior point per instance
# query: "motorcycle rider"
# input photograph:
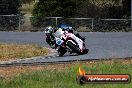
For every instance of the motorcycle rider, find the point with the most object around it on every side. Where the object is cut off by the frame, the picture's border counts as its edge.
(50, 38)
(52, 35)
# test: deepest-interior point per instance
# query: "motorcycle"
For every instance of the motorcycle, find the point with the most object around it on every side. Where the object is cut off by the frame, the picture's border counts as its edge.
(68, 42)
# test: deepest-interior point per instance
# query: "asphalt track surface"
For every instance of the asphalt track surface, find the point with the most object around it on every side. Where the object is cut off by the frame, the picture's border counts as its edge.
(101, 45)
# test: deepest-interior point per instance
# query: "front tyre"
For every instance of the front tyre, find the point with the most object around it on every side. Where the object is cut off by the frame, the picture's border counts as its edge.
(74, 48)
(61, 51)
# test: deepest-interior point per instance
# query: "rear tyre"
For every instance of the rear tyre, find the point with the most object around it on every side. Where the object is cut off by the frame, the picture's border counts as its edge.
(74, 48)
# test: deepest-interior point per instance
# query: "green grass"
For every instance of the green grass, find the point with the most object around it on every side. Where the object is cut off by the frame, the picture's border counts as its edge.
(66, 78)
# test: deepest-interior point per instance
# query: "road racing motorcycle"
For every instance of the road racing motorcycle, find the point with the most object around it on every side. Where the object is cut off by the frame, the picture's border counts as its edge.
(68, 42)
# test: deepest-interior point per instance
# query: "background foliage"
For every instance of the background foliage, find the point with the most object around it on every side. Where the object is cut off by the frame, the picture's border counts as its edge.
(104, 9)
(117, 9)
(9, 7)
(83, 8)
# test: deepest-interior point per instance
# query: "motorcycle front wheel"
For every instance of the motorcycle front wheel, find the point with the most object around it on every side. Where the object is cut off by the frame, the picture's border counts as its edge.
(61, 51)
(74, 48)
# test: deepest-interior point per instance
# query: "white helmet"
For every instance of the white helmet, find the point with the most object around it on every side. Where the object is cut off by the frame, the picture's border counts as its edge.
(49, 30)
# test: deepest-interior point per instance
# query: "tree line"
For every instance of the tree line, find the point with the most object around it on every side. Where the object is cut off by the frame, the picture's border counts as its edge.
(64, 8)
(83, 8)
(71, 8)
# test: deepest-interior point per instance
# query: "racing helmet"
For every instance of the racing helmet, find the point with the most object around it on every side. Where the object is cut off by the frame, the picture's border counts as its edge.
(49, 30)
